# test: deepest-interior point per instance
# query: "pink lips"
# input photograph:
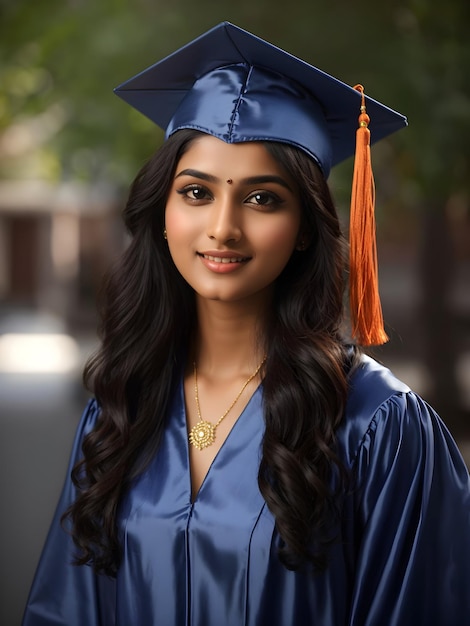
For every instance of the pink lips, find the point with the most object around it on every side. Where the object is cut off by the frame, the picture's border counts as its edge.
(222, 262)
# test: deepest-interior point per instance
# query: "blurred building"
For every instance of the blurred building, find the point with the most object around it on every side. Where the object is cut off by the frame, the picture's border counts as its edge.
(55, 244)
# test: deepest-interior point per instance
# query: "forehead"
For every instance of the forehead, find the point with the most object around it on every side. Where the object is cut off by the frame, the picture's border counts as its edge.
(230, 160)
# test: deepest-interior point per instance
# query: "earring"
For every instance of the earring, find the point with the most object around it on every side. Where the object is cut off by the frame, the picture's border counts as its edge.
(164, 234)
(301, 245)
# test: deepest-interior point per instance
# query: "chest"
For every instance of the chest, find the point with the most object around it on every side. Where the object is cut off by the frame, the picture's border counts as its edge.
(212, 558)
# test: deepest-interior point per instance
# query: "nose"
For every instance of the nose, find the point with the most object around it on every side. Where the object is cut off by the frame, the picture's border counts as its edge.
(224, 221)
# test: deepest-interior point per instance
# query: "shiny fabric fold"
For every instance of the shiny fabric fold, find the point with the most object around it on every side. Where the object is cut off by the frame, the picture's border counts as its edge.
(402, 557)
(239, 103)
(228, 79)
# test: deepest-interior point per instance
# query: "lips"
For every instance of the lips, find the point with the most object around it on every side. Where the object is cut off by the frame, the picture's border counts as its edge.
(223, 257)
(222, 262)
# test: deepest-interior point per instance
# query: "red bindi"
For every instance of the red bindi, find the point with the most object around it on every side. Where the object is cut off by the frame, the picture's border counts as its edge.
(229, 181)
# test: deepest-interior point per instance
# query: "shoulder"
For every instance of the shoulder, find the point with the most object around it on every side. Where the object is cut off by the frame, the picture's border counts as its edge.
(87, 423)
(370, 385)
(381, 409)
(90, 416)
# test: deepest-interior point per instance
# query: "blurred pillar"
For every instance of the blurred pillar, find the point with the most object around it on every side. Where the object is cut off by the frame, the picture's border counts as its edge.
(440, 348)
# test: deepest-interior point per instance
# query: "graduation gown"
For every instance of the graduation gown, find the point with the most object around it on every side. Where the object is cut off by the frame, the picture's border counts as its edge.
(402, 557)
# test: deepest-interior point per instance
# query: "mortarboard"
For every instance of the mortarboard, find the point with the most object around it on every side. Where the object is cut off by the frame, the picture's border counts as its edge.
(237, 87)
(233, 85)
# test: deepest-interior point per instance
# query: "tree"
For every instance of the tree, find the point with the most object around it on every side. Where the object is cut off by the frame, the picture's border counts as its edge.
(60, 121)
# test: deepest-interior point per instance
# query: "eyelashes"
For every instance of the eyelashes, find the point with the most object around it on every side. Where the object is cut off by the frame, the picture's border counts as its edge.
(195, 192)
(264, 198)
(198, 194)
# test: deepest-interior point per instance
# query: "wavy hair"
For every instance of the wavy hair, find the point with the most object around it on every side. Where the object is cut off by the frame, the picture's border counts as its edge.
(147, 320)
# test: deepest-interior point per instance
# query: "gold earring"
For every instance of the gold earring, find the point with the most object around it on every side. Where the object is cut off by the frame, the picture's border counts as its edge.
(164, 234)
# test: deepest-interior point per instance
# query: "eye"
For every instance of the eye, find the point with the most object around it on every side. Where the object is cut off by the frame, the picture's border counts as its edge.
(263, 198)
(195, 193)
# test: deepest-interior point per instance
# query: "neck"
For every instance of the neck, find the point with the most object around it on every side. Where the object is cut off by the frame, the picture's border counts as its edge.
(228, 338)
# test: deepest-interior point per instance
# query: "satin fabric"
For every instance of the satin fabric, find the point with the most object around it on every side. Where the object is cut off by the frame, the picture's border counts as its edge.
(231, 84)
(402, 557)
(239, 103)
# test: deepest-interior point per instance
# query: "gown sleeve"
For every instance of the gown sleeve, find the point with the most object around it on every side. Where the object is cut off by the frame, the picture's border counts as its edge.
(412, 508)
(64, 594)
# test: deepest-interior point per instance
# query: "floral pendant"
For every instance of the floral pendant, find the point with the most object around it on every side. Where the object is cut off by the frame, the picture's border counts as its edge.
(202, 435)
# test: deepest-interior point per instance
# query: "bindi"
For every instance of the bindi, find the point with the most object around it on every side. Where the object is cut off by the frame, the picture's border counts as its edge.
(229, 181)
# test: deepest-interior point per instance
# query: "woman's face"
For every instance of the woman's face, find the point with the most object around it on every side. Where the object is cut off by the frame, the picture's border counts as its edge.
(232, 219)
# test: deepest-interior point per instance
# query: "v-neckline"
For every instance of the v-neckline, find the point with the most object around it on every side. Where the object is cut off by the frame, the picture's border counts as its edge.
(230, 436)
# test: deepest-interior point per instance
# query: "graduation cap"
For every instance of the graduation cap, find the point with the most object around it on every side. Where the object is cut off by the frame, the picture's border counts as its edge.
(237, 87)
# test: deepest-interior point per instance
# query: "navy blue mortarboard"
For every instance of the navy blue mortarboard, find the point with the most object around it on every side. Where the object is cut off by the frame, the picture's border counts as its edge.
(238, 87)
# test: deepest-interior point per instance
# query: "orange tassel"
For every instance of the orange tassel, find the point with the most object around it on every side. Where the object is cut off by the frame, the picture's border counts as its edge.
(366, 310)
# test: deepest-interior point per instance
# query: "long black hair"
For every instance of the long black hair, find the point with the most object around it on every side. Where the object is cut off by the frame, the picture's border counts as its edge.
(147, 321)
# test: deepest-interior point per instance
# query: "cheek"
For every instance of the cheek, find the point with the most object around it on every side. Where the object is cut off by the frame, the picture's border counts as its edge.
(172, 217)
(177, 235)
(176, 224)
(281, 236)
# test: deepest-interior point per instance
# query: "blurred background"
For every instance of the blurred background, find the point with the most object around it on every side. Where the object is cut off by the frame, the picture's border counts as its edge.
(69, 149)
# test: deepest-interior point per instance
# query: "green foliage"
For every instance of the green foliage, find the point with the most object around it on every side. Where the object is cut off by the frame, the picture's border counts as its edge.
(435, 91)
(61, 60)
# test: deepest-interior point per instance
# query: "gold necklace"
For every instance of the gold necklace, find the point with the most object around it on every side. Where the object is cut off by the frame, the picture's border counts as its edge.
(202, 435)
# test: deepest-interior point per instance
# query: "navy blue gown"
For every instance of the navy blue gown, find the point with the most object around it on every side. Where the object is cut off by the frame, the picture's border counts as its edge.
(402, 558)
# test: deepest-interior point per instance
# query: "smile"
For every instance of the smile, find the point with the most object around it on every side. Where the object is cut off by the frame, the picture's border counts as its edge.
(227, 263)
(218, 259)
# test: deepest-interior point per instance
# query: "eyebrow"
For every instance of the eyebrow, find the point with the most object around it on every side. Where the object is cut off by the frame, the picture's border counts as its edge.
(252, 180)
(197, 174)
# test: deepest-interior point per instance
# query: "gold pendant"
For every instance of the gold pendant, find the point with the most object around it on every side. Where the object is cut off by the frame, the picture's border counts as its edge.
(202, 435)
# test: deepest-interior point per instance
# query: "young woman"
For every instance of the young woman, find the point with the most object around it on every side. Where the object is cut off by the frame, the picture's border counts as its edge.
(241, 462)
